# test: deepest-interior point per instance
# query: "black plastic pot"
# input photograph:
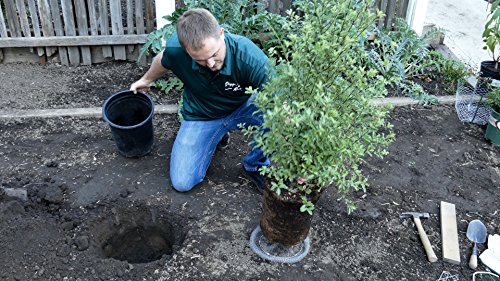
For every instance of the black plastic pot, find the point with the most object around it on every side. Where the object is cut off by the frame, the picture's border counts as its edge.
(488, 70)
(130, 117)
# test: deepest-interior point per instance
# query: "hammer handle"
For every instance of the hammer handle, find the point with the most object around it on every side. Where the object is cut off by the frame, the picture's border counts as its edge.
(431, 256)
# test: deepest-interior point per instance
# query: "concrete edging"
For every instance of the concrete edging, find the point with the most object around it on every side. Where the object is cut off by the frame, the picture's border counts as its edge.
(72, 112)
(167, 109)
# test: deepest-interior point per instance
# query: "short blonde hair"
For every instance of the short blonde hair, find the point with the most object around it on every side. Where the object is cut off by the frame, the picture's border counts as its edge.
(196, 25)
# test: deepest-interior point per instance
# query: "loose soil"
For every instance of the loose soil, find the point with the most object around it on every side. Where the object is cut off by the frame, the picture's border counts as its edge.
(91, 214)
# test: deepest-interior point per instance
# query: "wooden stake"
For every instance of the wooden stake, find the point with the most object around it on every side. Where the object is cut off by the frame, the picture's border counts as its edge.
(449, 233)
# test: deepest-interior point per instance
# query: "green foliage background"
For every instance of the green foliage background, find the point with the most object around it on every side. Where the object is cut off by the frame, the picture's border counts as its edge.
(243, 17)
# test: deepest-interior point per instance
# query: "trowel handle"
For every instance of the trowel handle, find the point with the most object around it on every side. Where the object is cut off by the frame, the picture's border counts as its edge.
(473, 257)
(431, 256)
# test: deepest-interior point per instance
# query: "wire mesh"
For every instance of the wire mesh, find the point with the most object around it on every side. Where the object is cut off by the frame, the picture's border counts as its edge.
(277, 252)
(470, 103)
(447, 276)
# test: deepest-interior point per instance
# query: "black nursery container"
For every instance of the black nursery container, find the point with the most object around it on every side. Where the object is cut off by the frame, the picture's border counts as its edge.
(130, 117)
(488, 70)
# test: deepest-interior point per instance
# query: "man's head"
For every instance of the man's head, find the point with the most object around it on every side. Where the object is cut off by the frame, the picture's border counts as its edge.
(202, 37)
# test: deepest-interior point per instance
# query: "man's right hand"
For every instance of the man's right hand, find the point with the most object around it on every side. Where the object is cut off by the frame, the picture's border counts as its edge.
(155, 71)
(141, 85)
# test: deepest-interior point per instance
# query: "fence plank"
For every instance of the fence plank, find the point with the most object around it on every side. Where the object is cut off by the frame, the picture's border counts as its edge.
(12, 19)
(403, 7)
(274, 6)
(3, 30)
(130, 23)
(117, 28)
(46, 21)
(69, 28)
(81, 21)
(139, 24)
(92, 17)
(23, 18)
(391, 10)
(36, 24)
(58, 29)
(139, 17)
(383, 8)
(3, 27)
(150, 16)
(287, 5)
(104, 24)
(99, 40)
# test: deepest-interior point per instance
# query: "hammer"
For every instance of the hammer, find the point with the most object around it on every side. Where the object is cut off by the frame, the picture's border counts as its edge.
(431, 256)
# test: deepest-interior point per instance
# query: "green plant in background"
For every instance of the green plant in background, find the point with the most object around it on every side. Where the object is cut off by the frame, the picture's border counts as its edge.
(242, 17)
(319, 123)
(416, 91)
(453, 71)
(493, 98)
(397, 54)
(401, 54)
(491, 33)
(168, 85)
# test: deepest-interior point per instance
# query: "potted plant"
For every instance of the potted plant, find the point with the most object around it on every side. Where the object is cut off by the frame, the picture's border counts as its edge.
(491, 38)
(319, 122)
(493, 128)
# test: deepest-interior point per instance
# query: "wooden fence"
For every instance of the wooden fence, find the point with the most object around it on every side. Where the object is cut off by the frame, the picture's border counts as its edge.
(392, 9)
(76, 32)
(68, 29)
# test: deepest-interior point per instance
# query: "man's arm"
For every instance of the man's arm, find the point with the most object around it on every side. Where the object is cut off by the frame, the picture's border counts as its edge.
(155, 71)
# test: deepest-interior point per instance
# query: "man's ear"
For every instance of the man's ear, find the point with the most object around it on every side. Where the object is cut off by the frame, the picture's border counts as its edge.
(222, 32)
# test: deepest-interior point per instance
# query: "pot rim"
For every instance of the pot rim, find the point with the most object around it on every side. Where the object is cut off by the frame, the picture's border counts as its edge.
(124, 94)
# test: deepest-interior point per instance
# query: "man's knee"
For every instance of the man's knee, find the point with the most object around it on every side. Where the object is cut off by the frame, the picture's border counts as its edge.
(183, 184)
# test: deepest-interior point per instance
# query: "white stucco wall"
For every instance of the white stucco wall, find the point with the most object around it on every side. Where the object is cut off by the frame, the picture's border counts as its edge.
(163, 8)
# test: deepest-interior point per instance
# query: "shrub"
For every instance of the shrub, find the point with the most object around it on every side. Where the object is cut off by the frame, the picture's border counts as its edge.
(319, 123)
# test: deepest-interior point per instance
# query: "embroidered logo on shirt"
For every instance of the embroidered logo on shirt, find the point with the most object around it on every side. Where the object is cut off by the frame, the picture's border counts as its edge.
(235, 87)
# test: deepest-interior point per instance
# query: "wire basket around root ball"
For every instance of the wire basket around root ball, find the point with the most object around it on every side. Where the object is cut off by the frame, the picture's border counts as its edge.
(471, 103)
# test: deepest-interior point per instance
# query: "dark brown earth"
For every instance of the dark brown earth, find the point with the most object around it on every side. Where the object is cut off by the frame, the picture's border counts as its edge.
(91, 214)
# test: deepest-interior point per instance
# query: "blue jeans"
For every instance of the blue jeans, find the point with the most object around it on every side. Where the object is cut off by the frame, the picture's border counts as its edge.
(196, 142)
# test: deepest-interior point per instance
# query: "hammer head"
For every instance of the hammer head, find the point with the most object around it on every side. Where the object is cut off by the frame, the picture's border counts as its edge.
(414, 215)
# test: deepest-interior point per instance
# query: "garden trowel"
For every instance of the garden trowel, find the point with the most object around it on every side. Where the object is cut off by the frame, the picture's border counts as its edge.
(476, 232)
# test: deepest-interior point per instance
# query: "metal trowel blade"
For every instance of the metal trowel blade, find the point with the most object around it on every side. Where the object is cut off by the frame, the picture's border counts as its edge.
(476, 231)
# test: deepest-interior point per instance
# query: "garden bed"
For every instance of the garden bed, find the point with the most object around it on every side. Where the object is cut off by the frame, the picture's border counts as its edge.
(82, 195)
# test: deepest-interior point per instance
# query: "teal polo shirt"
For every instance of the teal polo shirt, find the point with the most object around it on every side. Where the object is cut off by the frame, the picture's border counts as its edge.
(213, 95)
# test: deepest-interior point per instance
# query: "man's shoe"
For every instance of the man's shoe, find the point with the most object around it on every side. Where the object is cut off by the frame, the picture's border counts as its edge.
(256, 178)
(224, 142)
